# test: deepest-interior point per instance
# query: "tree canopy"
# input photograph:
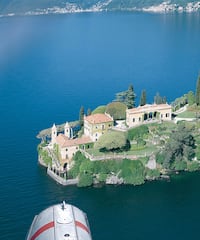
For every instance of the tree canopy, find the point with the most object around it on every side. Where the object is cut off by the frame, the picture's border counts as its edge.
(99, 109)
(138, 132)
(133, 172)
(181, 146)
(117, 110)
(190, 98)
(127, 97)
(112, 141)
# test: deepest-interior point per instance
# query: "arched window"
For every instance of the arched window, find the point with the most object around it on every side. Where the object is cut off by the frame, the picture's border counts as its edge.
(145, 116)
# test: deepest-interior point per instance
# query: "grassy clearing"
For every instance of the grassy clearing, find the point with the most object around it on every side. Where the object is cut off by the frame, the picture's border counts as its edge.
(187, 114)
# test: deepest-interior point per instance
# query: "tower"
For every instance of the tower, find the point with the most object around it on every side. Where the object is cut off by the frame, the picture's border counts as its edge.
(67, 130)
(53, 134)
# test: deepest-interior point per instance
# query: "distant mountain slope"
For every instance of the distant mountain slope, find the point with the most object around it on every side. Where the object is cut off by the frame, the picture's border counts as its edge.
(62, 6)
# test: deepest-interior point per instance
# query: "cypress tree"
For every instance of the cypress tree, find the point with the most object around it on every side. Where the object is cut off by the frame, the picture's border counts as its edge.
(198, 91)
(158, 99)
(89, 112)
(164, 100)
(143, 98)
(130, 99)
(81, 116)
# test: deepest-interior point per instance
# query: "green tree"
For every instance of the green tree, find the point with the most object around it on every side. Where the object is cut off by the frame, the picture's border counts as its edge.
(112, 141)
(181, 146)
(86, 166)
(160, 157)
(143, 98)
(102, 177)
(117, 110)
(180, 165)
(130, 102)
(99, 109)
(193, 166)
(198, 152)
(133, 172)
(127, 97)
(190, 98)
(179, 102)
(198, 92)
(85, 180)
(89, 112)
(81, 116)
(77, 160)
(138, 132)
(159, 100)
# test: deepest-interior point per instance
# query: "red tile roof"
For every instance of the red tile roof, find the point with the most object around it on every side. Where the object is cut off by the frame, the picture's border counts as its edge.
(98, 118)
(63, 141)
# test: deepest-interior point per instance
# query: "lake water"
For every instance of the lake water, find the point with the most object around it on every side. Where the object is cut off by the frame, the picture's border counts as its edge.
(52, 65)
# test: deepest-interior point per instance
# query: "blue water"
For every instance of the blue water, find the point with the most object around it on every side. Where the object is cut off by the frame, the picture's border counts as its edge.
(52, 65)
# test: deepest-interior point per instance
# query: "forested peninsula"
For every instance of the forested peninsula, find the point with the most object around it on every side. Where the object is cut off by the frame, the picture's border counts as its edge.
(160, 140)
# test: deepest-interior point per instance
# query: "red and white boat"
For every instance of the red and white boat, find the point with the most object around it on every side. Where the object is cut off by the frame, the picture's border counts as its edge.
(60, 222)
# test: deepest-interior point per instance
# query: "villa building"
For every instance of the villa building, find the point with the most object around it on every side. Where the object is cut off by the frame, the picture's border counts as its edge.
(94, 126)
(139, 115)
(97, 124)
(67, 145)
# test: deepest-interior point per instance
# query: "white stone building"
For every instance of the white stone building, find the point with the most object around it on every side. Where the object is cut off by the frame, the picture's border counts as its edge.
(139, 115)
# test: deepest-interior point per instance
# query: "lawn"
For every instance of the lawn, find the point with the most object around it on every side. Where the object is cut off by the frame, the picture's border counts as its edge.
(187, 114)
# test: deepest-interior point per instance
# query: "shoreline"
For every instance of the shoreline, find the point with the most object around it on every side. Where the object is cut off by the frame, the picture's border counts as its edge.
(115, 182)
(163, 8)
(149, 166)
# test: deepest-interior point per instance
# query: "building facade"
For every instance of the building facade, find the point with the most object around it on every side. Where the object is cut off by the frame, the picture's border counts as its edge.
(97, 124)
(94, 126)
(142, 114)
(67, 145)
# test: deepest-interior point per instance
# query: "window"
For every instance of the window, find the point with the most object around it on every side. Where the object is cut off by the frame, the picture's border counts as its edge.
(139, 119)
(133, 119)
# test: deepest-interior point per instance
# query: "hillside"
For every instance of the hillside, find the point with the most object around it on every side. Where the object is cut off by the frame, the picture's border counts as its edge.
(29, 7)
